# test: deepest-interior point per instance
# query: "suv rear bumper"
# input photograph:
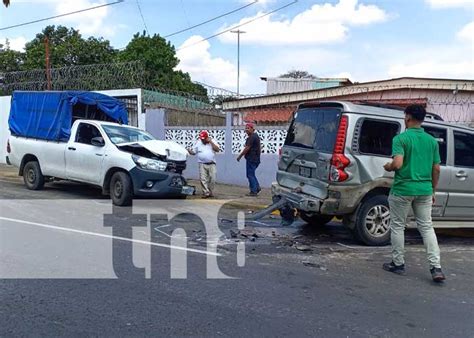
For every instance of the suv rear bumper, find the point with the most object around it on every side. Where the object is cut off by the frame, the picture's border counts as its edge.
(332, 205)
(297, 200)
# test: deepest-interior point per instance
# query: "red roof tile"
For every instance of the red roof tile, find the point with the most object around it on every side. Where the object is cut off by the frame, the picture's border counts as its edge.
(281, 114)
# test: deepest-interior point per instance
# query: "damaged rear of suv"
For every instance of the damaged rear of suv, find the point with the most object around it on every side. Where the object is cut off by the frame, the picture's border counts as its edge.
(332, 161)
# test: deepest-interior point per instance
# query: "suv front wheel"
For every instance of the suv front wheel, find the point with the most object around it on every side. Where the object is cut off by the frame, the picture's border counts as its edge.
(372, 224)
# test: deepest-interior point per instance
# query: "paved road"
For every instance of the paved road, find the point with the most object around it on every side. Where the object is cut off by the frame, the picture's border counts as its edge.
(62, 266)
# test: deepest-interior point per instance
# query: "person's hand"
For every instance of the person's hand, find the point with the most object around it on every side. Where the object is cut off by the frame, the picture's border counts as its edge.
(238, 158)
(388, 166)
(434, 198)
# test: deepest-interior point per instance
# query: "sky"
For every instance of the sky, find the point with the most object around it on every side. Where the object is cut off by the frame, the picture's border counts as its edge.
(363, 40)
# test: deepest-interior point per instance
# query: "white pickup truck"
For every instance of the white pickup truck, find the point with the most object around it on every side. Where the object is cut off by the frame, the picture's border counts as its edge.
(124, 161)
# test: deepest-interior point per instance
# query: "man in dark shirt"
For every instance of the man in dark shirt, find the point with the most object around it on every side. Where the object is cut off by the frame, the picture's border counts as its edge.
(252, 156)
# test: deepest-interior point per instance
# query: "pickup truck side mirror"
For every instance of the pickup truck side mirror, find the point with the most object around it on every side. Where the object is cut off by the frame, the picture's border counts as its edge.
(98, 141)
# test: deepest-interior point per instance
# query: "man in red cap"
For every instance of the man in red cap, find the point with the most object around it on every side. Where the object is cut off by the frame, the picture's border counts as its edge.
(205, 149)
(252, 152)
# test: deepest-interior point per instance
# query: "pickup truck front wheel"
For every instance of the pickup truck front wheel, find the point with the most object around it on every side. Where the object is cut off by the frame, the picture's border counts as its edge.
(32, 176)
(121, 191)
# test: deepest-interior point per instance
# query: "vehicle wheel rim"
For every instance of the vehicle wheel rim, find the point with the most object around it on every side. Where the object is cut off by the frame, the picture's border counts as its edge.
(31, 176)
(377, 220)
(118, 189)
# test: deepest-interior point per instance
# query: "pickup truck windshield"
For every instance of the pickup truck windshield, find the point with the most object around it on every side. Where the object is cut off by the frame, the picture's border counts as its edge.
(119, 134)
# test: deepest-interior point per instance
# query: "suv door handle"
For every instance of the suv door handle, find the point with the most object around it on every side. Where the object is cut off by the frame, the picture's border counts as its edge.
(71, 148)
(461, 174)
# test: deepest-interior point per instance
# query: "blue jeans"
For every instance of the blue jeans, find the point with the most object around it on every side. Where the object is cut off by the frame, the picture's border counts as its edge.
(253, 182)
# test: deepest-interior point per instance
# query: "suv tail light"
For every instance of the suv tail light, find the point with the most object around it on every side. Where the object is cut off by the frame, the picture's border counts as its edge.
(9, 149)
(339, 161)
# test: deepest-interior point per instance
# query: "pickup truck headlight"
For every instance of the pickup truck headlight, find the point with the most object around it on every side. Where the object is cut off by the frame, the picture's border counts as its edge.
(147, 163)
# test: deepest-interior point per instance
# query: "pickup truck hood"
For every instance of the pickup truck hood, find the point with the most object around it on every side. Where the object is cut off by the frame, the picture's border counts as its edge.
(172, 150)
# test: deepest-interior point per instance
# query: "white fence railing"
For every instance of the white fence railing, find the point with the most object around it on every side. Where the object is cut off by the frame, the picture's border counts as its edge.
(272, 138)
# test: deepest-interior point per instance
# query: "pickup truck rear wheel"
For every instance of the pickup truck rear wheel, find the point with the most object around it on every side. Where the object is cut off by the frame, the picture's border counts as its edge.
(372, 224)
(314, 219)
(32, 176)
(121, 191)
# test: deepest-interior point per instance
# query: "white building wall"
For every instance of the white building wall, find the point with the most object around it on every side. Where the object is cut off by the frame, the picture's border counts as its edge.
(4, 132)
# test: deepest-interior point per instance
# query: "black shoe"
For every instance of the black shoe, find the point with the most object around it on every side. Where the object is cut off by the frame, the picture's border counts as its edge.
(259, 189)
(391, 267)
(437, 275)
(253, 194)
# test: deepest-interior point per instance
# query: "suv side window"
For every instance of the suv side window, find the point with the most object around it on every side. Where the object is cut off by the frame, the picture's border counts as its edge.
(86, 132)
(441, 135)
(463, 149)
(376, 137)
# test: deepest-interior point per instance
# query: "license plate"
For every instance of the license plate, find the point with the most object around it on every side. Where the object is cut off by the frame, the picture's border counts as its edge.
(188, 190)
(305, 172)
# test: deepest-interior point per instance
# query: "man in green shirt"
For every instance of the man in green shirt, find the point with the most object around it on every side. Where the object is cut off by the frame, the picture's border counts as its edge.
(416, 165)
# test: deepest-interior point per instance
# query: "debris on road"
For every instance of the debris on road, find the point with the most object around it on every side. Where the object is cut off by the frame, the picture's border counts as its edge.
(302, 247)
(314, 265)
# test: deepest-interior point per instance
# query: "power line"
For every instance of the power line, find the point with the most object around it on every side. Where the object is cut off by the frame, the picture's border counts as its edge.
(210, 20)
(237, 26)
(61, 15)
(141, 14)
(185, 14)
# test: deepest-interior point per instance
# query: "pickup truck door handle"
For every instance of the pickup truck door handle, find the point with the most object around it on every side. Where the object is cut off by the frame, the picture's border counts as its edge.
(461, 174)
(98, 154)
(71, 148)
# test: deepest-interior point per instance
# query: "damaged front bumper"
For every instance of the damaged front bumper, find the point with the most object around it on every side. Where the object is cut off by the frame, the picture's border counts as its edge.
(163, 184)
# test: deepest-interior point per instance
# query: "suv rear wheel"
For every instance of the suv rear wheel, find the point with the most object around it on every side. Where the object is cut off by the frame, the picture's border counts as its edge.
(314, 219)
(373, 221)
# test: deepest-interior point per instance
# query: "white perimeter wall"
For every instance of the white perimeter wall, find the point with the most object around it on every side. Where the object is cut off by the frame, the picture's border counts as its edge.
(4, 132)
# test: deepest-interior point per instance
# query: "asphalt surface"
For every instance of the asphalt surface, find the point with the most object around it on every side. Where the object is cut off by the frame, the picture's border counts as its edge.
(64, 273)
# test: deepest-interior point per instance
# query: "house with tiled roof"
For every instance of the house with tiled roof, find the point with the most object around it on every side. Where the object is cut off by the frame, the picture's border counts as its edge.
(452, 99)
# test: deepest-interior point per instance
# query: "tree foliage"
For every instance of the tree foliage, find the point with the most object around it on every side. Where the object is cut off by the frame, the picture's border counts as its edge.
(159, 59)
(297, 74)
(66, 48)
(10, 60)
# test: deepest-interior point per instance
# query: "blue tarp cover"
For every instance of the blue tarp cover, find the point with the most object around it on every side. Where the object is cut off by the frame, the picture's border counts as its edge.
(48, 115)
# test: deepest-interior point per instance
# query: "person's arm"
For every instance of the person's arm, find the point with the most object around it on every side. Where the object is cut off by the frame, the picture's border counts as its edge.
(397, 155)
(243, 153)
(395, 165)
(436, 169)
(435, 172)
(248, 145)
(193, 150)
(214, 146)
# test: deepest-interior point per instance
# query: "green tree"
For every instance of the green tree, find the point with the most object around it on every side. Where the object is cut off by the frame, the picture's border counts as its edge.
(10, 60)
(158, 57)
(297, 74)
(66, 48)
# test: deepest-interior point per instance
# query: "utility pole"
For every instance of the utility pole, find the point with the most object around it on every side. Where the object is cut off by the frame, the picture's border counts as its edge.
(238, 32)
(48, 67)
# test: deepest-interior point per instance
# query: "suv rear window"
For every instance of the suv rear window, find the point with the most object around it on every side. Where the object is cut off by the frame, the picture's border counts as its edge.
(314, 128)
(376, 137)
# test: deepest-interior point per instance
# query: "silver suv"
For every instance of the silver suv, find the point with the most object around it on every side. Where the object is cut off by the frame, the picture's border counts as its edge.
(332, 161)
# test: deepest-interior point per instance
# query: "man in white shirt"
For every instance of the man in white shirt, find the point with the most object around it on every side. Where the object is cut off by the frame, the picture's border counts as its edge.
(205, 149)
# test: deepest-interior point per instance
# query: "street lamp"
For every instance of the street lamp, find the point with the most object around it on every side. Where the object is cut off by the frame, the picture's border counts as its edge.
(238, 32)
